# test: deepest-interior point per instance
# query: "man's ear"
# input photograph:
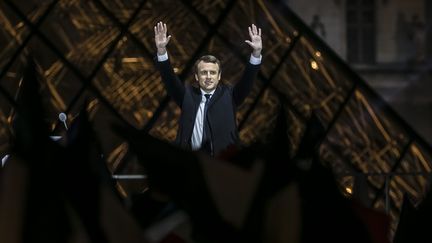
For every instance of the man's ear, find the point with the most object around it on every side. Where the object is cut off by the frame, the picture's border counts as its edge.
(196, 77)
(219, 75)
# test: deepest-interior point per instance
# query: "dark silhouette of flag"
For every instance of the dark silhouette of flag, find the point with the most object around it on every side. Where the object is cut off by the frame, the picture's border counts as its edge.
(260, 194)
(51, 193)
(179, 175)
(327, 216)
(414, 221)
(226, 200)
(91, 191)
(30, 195)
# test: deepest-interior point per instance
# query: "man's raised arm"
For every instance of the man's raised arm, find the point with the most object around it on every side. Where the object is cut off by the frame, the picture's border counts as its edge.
(172, 83)
(244, 86)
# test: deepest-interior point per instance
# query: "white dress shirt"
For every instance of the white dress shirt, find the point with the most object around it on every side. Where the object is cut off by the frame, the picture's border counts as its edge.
(197, 133)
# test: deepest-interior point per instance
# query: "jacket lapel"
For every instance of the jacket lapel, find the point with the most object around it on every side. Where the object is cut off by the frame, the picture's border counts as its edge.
(216, 95)
(196, 96)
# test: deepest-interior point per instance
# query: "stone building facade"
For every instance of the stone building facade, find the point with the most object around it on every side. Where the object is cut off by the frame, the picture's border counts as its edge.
(387, 42)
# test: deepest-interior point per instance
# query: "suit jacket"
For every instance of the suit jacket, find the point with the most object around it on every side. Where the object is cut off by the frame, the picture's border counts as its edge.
(221, 111)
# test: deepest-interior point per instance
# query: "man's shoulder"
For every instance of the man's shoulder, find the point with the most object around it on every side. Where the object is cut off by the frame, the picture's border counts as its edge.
(226, 86)
(192, 89)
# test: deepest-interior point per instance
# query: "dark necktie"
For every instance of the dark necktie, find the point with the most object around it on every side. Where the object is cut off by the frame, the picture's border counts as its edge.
(206, 103)
(206, 140)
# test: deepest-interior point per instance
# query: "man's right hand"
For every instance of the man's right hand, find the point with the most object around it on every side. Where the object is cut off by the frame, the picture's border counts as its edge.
(161, 38)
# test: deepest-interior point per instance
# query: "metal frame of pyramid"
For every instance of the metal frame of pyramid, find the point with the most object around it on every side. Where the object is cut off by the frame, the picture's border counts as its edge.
(102, 51)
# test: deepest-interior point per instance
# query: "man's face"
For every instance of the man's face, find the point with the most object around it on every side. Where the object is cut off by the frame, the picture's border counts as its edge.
(208, 75)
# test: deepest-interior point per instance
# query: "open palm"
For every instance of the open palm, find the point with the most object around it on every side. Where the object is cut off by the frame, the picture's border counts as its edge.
(161, 38)
(255, 39)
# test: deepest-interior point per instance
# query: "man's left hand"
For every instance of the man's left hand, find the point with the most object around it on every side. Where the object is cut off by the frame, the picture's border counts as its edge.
(255, 42)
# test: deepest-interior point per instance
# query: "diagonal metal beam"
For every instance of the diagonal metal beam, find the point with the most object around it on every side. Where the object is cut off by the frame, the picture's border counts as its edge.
(120, 25)
(74, 69)
(382, 190)
(267, 83)
(357, 80)
(353, 76)
(123, 29)
(20, 49)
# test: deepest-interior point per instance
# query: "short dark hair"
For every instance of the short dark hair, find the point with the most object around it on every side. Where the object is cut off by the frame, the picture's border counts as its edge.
(207, 58)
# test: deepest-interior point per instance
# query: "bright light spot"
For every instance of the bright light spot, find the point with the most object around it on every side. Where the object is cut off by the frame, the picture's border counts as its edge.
(314, 65)
(348, 190)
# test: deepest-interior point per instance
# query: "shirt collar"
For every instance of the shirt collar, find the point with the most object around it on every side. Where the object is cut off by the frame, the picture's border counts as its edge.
(204, 92)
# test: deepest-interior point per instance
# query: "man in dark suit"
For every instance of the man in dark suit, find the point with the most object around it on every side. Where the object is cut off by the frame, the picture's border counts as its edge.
(208, 117)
